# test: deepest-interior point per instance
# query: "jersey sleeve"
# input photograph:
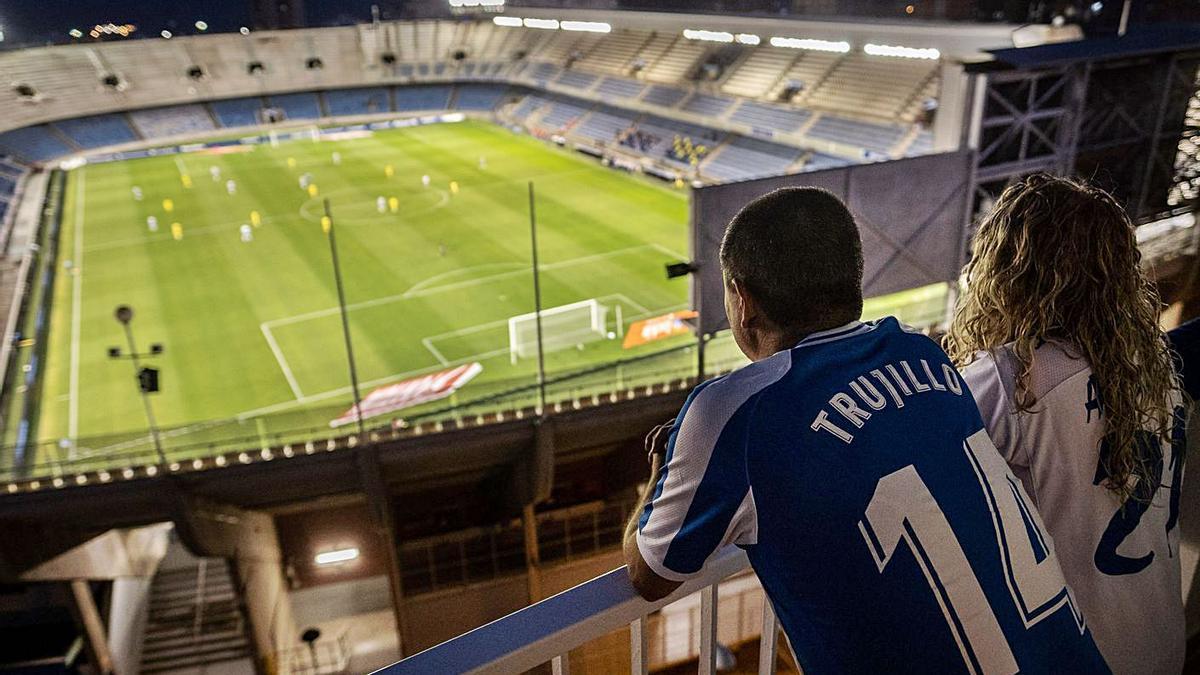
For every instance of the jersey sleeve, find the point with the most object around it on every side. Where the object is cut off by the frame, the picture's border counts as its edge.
(990, 390)
(702, 500)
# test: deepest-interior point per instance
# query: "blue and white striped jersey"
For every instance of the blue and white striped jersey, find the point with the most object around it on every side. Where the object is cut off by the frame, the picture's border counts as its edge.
(887, 531)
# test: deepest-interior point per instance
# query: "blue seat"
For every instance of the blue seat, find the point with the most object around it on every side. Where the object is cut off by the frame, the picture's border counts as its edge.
(577, 79)
(33, 144)
(364, 101)
(704, 104)
(237, 112)
(744, 158)
(616, 87)
(878, 138)
(97, 131)
(770, 117)
(422, 97)
(303, 106)
(664, 96)
(171, 120)
(480, 96)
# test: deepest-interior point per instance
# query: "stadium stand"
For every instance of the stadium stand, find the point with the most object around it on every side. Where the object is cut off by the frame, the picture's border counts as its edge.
(577, 79)
(615, 87)
(817, 161)
(743, 158)
(172, 121)
(97, 131)
(663, 96)
(676, 61)
(757, 75)
(805, 74)
(563, 113)
(770, 117)
(617, 53)
(705, 104)
(480, 96)
(877, 138)
(33, 144)
(302, 106)
(921, 145)
(366, 101)
(864, 84)
(431, 97)
(604, 125)
(237, 112)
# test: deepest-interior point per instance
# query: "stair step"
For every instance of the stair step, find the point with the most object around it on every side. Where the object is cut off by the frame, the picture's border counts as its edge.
(189, 644)
(190, 660)
(232, 627)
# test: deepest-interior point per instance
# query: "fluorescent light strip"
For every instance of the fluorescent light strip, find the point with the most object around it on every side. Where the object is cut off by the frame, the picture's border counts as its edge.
(902, 52)
(708, 35)
(586, 26)
(547, 24)
(841, 47)
(511, 21)
(476, 3)
(748, 38)
(334, 557)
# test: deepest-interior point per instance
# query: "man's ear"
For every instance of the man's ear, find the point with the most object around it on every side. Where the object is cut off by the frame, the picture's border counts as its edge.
(747, 308)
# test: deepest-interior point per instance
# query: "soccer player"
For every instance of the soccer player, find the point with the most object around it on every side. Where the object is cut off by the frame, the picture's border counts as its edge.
(247, 233)
(231, 187)
(425, 180)
(152, 223)
(337, 158)
(482, 163)
(215, 172)
(381, 204)
(850, 462)
(305, 179)
(137, 193)
(1058, 332)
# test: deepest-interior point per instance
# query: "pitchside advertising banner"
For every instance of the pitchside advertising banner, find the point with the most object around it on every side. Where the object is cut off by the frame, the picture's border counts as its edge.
(912, 214)
(411, 392)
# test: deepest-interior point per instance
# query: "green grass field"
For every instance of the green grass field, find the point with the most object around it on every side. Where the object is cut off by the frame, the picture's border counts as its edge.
(253, 341)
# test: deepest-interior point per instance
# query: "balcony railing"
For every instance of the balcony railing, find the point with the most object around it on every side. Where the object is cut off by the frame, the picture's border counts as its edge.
(547, 631)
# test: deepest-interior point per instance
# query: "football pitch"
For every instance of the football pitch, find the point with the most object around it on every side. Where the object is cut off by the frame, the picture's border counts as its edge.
(252, 336)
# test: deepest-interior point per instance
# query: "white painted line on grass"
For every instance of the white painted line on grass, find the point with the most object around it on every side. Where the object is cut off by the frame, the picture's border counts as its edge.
(283, 364)
(433, 350)
(76, 310)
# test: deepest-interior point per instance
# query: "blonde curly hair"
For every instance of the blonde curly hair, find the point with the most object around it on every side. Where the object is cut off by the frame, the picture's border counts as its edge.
(1057, 259)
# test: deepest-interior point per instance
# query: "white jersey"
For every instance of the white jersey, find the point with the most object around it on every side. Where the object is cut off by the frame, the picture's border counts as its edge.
(1123, 564)
(231, 187)
(247, 233)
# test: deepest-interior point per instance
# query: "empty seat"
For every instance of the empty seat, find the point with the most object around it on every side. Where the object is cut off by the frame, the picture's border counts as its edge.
(664, 96)
(304, 106)
(172, 120)
(237, 112)
(365, 101)
(422, 97)
(97, 131)
(33, 144)
(480, 96)
(744, 158)
(877, 138)
(616, 87)
(770, 117)
(704, 104)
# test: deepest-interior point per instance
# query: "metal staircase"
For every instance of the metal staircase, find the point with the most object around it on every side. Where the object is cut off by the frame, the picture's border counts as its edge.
(194, 618)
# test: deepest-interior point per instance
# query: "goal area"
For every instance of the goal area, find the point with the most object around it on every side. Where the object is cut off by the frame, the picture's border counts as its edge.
(563, 327)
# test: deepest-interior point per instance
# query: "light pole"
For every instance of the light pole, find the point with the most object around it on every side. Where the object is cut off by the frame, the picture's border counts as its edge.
(327, 224)
(147, 378)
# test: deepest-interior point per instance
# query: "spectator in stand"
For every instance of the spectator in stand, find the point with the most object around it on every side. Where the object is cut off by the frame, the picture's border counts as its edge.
(851, 464)
(1059, 342)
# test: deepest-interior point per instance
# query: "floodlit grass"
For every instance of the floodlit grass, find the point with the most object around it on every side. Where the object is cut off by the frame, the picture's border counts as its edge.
(253, 341)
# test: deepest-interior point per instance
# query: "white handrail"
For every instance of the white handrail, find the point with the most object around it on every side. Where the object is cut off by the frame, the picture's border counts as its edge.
(548, 630)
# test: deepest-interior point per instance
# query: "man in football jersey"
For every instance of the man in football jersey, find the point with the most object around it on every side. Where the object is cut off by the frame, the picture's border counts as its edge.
(1058, 332)
(850, 462)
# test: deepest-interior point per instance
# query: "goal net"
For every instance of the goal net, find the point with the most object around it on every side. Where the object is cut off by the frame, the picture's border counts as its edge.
(562, 327)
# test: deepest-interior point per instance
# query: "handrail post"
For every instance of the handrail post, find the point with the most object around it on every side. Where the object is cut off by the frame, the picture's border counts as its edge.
(561, 664)
(708, 630)
(639, 644)
(768, 641)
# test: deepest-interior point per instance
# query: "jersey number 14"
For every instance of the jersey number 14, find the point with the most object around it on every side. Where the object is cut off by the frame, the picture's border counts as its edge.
(903, 510)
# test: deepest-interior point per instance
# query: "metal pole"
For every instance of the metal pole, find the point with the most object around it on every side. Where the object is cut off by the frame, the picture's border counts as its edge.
(537, 302)
(1124, 25)
(341, 293)
(137, 370)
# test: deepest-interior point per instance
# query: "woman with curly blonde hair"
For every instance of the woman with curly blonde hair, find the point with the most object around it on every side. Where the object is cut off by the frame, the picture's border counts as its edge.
(1058, 339)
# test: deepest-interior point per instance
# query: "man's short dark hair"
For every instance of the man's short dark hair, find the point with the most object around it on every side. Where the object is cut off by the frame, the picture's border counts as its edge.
(798, 253)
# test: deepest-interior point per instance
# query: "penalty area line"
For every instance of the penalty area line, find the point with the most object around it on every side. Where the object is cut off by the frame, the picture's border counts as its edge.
(283, 364)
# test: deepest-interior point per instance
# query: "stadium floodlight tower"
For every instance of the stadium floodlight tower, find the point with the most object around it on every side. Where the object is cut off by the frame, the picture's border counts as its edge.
(147, 378)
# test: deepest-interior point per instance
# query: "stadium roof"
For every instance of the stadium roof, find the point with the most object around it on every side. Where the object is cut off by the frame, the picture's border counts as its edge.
(1146, 41)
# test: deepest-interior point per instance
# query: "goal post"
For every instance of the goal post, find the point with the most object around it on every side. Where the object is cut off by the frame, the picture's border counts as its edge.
(562, 327)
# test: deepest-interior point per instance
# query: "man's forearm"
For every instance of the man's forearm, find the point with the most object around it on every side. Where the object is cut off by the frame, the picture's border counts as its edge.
(632, 526)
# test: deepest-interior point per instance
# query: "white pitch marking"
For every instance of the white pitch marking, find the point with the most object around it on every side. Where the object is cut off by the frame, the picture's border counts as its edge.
(179, 165)
(76, 311)
(283, 364)
(433, 350)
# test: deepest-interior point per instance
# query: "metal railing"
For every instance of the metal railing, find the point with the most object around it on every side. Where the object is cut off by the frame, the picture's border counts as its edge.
(323, 657)
(547, 631)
